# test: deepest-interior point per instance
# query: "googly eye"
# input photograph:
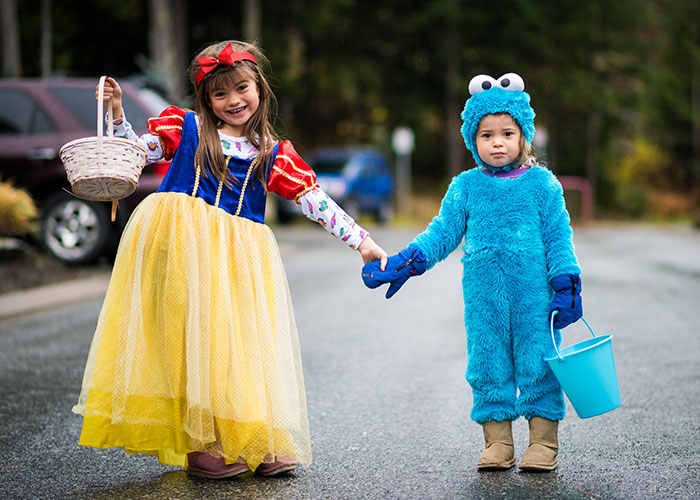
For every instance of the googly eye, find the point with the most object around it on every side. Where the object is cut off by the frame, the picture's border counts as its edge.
(480, 83)
(511, 81)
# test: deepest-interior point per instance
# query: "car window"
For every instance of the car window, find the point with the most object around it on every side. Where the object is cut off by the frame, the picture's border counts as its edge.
(136, 115)
(81, 101)
(20, 114)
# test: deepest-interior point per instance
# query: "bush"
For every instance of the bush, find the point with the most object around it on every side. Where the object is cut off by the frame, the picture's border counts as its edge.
(632, 200)
(643, 186)
(645, 164)
(18, 212)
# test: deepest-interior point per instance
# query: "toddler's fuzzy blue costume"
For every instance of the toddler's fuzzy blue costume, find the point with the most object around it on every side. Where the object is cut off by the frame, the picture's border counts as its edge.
(517, 251)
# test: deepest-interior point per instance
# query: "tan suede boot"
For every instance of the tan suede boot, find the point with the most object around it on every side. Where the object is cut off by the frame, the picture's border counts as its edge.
(541, 455)
(499, 446)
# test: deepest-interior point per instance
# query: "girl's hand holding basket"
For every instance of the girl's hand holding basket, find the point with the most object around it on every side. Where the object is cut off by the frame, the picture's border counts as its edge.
(104, 168)
(111, 91)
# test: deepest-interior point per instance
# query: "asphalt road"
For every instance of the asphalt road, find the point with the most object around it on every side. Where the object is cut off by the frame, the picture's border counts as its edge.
(388, 403)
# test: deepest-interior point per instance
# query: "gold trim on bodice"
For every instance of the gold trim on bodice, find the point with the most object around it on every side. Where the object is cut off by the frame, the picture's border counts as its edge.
(198, 173)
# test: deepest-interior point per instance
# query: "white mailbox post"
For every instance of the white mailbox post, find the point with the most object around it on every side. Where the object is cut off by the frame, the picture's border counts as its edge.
(403, 142)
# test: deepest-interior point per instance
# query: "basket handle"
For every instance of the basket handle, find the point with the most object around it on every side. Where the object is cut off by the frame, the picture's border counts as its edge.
(100, 116)
(110, 126)
(551, 327)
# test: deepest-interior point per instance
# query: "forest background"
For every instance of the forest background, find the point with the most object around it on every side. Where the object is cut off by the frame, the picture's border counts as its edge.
(616, 85)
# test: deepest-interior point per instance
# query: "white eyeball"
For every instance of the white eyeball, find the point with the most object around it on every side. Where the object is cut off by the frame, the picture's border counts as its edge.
(511, 81)
(480, 83)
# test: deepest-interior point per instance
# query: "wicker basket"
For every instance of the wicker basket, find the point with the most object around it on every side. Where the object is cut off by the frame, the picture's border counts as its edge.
(103, 168)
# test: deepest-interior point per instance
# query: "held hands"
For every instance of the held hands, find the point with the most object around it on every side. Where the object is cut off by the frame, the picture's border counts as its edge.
(370, 251)
(567, 300)
(408, 262)
(114, 91)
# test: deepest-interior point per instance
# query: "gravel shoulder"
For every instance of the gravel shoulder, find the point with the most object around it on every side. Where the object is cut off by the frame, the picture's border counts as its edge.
(23, 267)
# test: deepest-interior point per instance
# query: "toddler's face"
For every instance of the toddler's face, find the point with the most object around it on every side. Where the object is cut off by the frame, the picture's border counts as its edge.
(498, 140)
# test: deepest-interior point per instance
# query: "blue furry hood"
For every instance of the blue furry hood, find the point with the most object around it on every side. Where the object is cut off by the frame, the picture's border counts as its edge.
(495, 100)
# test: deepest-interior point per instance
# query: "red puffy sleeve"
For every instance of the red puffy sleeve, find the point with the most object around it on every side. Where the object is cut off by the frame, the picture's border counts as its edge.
(290, 176)
(168, 127)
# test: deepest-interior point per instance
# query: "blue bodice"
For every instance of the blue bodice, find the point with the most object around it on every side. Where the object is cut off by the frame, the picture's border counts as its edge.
(245, 196)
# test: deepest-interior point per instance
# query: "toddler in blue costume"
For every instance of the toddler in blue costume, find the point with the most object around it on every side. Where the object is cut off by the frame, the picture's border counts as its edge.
(519, 269)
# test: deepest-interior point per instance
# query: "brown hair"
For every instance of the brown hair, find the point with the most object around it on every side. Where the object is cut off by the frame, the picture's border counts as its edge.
(526, 155)
(258, 130)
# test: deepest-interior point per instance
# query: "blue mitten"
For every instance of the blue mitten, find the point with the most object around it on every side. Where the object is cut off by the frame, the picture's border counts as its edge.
(567, 300)
(408, 262)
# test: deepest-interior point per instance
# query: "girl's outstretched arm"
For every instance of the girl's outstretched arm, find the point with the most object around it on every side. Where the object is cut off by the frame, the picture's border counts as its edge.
(293, 179)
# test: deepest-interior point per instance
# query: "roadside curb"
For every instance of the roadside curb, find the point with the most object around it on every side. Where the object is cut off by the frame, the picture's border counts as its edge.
(15, 305)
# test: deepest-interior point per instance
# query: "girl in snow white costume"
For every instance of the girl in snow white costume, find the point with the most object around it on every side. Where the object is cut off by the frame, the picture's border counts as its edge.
(196, 357)
(519, 267)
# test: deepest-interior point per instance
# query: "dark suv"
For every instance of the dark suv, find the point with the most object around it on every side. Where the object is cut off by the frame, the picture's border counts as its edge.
(37, 117)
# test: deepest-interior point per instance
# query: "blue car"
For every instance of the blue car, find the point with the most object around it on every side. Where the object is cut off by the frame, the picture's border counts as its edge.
(357, 178)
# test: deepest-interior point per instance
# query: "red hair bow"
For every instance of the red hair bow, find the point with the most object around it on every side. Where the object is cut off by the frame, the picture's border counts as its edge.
(226, 57)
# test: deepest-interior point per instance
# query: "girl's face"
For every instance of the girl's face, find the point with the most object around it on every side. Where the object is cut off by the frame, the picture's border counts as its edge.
(498, 140)
(235, 105)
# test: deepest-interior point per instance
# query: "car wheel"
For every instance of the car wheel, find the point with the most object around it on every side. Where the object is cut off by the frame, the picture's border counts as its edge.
(73, 230)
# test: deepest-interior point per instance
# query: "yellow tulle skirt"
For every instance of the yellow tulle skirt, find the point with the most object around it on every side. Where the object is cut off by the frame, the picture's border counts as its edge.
(196, 347)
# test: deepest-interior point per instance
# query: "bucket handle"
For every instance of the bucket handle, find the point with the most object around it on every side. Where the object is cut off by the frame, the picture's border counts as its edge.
(551, 327)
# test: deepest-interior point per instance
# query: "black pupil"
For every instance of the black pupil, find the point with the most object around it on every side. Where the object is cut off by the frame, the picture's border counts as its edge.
(486, 85)
(505, 82)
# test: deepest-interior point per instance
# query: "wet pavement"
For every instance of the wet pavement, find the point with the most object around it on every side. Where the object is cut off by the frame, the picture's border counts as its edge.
(388, 403)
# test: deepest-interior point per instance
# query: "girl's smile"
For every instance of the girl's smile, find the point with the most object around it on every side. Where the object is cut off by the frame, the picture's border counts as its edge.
(234, 106)
(498, 140)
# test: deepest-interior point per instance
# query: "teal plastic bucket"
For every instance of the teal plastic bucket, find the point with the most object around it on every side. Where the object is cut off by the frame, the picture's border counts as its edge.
(586, 372)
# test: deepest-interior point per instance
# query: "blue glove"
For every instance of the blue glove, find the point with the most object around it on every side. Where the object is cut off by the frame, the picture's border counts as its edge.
(567, 300)
(408, 262)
